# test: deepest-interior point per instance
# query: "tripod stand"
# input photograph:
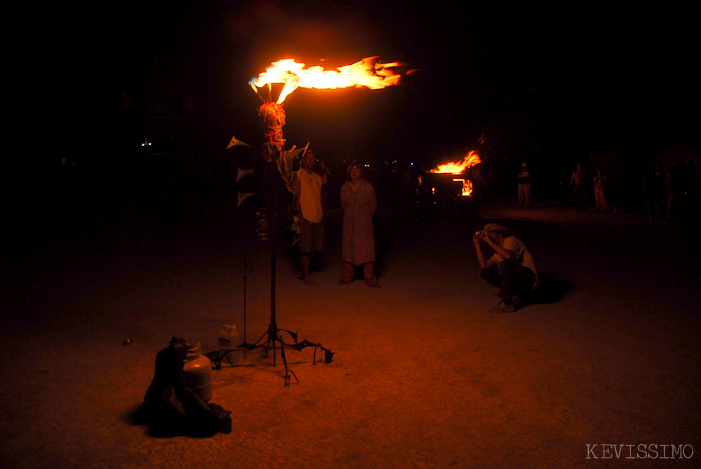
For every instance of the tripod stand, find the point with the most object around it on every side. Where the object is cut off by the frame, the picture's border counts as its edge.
(272, 339)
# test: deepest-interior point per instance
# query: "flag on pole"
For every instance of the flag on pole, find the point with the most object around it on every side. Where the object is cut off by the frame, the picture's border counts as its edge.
(241, 173)
(234, 142)
(242, 197)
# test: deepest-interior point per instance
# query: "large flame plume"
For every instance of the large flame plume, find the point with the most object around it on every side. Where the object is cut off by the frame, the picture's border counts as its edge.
(459, 167)
(471, 159)
(367, 73)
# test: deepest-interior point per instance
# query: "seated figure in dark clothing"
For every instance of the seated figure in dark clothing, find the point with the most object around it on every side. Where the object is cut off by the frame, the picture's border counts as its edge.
(511, 267)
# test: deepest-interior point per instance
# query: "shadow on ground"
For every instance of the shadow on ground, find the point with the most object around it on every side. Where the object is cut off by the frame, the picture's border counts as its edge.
(552, 289)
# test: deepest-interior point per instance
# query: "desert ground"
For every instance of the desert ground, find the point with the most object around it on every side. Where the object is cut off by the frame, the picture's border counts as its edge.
(600, 368)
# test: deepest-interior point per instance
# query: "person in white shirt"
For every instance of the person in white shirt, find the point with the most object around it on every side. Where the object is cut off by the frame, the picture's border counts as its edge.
(511, 267)
(307, 185)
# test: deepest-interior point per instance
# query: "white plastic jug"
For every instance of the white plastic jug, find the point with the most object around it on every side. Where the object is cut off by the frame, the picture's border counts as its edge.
(228, 341)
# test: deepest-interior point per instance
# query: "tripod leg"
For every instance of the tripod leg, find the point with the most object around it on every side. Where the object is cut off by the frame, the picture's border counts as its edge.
(288, 372)
(287, 377)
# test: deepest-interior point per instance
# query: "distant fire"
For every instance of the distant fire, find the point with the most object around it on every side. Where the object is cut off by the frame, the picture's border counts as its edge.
(470, 160)
(367, 73)
(457, 168)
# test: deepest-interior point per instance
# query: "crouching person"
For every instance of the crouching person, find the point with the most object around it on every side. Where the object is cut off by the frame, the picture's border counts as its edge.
(511, 267)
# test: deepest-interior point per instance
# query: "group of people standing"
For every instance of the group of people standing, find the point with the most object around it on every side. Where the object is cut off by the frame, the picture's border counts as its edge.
(579, 182)
(359, 203)
(665, 191)
(511, 266)
(579, 185)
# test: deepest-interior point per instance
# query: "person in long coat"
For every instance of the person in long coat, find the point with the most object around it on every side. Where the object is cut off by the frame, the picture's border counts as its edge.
(600, 191)
(359, 203)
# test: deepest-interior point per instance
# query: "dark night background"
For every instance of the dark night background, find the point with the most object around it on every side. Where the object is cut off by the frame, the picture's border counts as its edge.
(551, 85)
(110, 248)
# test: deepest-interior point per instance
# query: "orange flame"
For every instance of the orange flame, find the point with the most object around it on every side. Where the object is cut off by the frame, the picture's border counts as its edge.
(471, 159)
(466, 187)
(366, 73)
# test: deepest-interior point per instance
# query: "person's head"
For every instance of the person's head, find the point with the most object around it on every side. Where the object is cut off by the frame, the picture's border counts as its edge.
(524, 165)
(496, 232)
(309, 160)
(355, 171)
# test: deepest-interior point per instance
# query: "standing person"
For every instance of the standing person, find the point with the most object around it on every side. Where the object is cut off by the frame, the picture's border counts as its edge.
(511, 267)
(675, 189)
(524, 186)
(358, 246)
(600, 191)
(307, 185)
(578, 180)
(653, 193)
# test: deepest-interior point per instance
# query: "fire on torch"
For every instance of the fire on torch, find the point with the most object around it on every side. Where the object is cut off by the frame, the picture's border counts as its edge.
(366, 73)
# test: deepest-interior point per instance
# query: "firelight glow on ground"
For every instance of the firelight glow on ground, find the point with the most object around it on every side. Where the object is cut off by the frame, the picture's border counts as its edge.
(423, 375)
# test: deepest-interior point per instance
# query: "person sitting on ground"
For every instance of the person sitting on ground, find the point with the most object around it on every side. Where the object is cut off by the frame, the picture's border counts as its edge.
(511, 267)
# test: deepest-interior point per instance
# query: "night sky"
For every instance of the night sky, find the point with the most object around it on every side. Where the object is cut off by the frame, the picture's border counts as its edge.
(545, 84)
